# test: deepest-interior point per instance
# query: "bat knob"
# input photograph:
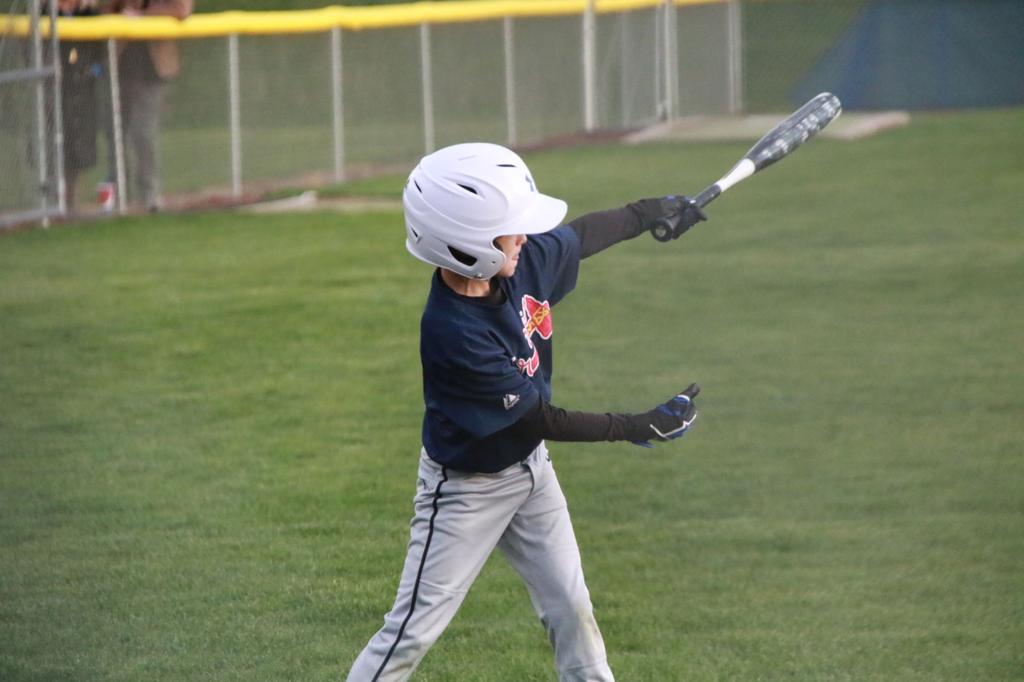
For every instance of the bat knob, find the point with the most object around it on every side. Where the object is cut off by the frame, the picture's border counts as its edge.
(662, 230)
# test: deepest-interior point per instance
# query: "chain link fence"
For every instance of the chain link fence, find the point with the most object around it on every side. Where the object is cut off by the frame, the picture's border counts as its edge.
(336, 104)
(257, 109)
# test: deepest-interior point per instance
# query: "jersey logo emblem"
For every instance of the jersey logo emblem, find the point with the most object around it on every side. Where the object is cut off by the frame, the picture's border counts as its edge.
(529, 367)
(510, 400)
(536, 318)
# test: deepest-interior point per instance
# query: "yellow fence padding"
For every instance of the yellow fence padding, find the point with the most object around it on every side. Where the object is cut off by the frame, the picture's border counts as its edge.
(318, 20)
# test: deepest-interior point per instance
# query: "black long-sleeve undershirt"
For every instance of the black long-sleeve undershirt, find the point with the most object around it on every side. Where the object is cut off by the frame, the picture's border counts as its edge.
(550, 422)
(597, 231)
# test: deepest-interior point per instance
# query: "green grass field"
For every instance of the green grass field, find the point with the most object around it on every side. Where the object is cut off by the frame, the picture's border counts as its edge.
(209, 429)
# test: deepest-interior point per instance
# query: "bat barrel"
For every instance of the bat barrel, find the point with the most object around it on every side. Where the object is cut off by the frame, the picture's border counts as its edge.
(797, 128)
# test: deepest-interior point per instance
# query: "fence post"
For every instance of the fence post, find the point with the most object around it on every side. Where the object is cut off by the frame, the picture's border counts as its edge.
(117, 126)
(735, 28)
(58, 114)
(624, 101)
(589, 95)
(510, 81)
(234, 94)
(426, 74)
(671, 60)
(659, 55)
(42, 160)
(338, 116)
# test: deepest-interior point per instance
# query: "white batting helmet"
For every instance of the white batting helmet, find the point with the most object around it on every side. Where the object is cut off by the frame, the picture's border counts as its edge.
(459, 199)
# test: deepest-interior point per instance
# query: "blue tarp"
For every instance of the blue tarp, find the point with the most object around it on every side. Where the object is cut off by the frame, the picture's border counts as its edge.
(926, 54)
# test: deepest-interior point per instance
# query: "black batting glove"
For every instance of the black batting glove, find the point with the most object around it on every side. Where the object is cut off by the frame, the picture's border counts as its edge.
(670, 420)
(678, 214)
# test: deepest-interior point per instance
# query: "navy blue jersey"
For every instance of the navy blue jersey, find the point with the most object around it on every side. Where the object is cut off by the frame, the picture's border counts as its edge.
(487, 364)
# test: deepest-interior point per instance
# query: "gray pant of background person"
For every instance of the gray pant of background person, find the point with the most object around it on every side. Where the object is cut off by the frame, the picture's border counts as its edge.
(142, 97)
(142, 102)
(459, 519)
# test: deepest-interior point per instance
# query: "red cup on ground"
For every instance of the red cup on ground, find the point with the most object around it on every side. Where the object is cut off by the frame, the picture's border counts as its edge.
(106, 193)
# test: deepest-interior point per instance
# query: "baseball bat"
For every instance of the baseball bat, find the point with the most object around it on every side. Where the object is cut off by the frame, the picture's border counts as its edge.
(775, 145)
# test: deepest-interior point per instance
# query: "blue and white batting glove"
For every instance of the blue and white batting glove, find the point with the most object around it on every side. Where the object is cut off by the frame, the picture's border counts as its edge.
(671, 419)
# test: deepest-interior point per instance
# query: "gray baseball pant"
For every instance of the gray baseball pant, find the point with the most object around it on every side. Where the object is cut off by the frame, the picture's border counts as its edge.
(459, 519)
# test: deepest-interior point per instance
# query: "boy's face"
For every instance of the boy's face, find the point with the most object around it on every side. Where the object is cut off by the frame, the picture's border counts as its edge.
(510, 245)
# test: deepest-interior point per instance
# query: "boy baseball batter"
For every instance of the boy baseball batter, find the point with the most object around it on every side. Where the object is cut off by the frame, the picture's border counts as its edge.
(503, 260)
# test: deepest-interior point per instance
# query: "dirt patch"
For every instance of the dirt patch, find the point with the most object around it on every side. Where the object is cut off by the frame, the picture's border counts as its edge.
(309, 201)
(849, 126)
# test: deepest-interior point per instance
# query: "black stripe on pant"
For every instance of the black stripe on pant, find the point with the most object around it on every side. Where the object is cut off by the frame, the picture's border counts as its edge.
(419, 574)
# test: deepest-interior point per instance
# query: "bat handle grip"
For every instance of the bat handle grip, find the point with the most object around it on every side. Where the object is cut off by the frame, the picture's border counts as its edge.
(665, 227)
(707, 196)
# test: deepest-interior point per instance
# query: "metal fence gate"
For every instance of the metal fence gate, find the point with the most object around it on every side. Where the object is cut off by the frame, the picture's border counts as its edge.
(31, 138)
